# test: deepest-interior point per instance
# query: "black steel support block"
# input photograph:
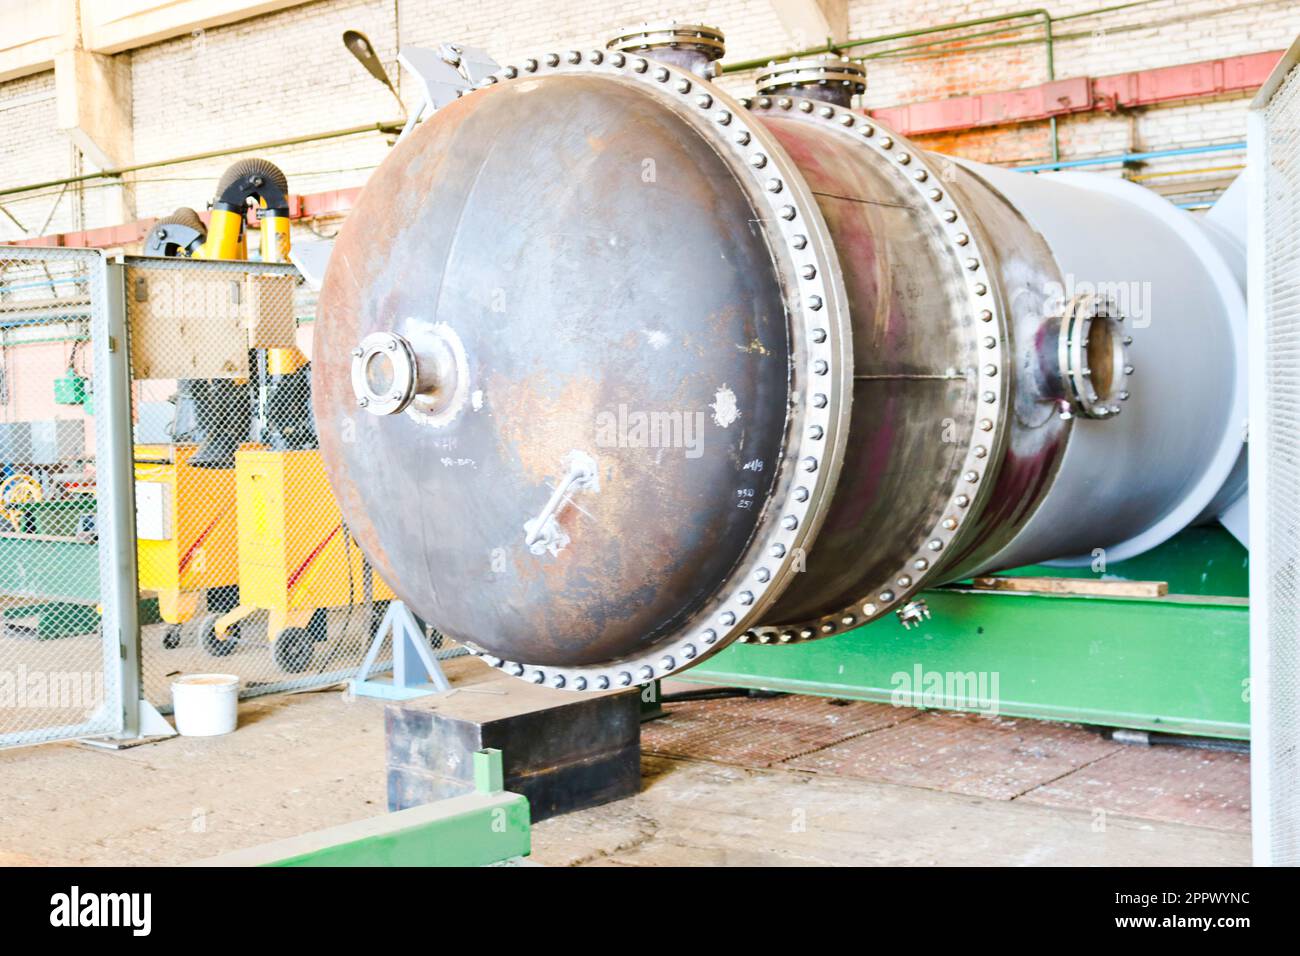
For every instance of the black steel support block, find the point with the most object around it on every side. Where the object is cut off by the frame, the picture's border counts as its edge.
(562, 751)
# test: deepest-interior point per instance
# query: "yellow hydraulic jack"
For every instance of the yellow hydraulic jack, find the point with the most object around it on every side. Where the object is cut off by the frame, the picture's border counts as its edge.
(186, 536)
(249, 182)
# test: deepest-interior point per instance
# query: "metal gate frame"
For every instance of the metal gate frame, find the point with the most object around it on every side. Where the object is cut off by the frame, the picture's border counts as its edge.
(115, 516)
(259, 673)
(1274, 383)
(121, 588)
(127, 712)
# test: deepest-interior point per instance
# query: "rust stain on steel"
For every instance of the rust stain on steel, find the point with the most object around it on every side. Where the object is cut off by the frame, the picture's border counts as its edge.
(568, 410)
(598, 547)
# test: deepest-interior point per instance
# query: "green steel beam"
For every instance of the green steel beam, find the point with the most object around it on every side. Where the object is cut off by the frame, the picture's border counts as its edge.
(488, 826)
(1176, 664)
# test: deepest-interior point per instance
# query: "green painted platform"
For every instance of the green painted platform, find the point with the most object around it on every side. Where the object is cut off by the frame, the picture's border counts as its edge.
(1174, 664)
(488, 826)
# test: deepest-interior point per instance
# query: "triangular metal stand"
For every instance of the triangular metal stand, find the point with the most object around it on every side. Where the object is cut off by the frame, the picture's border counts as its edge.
(416, 671)
(152, 723)
(151, 727)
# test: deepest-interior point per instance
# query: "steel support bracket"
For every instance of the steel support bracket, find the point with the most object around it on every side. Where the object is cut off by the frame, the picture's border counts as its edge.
(443, 74)
(416, 671)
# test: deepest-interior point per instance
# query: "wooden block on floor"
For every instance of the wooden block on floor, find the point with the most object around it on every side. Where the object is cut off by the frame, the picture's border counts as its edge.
(1075, 587)
(562, 751)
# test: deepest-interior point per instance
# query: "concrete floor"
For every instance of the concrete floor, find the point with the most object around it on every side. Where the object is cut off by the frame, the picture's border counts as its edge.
(790, 781)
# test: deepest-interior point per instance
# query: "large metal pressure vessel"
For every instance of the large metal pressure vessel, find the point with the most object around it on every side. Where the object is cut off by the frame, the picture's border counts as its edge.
(613, 369)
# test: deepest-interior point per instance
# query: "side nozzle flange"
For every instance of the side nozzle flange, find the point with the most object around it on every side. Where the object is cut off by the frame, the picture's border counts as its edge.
(1093, 355)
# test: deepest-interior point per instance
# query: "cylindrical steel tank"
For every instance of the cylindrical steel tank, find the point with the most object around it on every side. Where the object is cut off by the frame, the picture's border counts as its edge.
(613, 369)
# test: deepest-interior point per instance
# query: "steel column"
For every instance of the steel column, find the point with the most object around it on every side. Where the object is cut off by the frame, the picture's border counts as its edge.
(115, 489)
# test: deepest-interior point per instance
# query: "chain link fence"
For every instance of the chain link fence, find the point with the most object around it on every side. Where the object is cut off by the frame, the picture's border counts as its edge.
(59, 651)
(244, 562)
(246, 565)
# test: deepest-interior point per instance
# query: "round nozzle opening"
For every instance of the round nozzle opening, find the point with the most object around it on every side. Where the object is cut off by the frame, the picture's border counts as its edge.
(1100, 352)
(390, 374)
(384, 373)
(829, 77)
(1094, 359)
(380, 374)
(691, 45)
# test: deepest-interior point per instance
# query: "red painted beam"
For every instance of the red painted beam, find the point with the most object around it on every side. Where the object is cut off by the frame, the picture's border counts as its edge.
(324, 204)
(307, 206)
(94, 238)
(107, 236)
(1081, 94)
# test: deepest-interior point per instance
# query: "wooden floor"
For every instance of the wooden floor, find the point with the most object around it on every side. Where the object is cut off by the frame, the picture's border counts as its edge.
(785, 781)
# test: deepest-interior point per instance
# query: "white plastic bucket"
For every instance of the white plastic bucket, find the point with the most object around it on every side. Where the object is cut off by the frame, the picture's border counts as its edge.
(204, 705)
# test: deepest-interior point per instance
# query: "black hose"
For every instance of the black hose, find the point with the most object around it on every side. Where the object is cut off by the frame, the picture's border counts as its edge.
(716, 693)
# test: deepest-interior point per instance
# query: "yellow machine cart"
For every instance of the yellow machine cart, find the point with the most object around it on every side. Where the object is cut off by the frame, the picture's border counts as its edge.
(296, 557)
(187, 536)
(277, 542)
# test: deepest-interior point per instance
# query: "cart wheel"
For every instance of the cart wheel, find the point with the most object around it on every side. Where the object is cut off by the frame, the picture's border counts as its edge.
(377, 611)
(214, 645)
(171, 638)
(318, 626)
(293, 649)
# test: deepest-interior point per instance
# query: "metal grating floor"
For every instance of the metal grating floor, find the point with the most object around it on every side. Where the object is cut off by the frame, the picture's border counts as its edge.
(996, 758)
(763, 732)
(1049, 764)
(1180, 785)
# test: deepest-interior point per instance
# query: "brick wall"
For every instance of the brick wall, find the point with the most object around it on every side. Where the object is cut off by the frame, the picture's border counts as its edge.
(275, 77)
(287, 74)
(1146, 36)
(32, 149)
